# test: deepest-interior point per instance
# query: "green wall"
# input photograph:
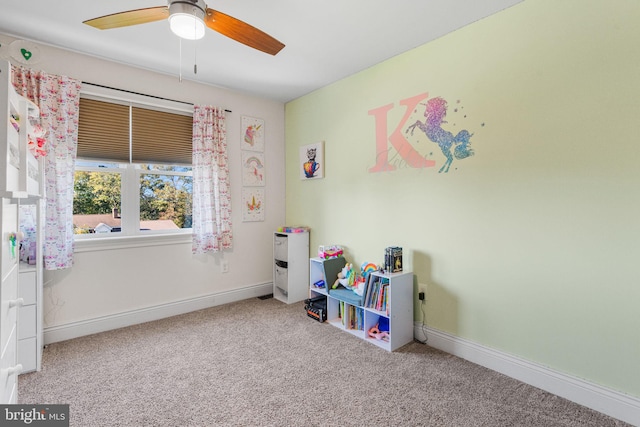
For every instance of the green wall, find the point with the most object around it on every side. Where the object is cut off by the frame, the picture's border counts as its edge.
(530, 246)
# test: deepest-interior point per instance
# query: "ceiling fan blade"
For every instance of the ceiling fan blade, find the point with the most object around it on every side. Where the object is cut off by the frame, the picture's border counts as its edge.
(241, 32)
(131, 17)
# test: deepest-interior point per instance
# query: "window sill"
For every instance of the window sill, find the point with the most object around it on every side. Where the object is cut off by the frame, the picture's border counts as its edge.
(125, 242)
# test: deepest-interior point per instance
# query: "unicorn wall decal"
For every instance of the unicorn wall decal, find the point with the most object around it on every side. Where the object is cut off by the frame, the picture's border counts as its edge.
(435, 113)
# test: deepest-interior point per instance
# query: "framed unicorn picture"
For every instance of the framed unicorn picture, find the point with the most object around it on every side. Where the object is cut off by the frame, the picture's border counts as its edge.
(252, 169)
(252, 134)
(252, 204)
(312, 161)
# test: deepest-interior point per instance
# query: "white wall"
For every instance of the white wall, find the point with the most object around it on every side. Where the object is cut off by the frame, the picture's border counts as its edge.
(105, 283)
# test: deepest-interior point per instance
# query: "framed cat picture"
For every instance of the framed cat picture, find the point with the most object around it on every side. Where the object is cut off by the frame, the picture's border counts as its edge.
(312, 161)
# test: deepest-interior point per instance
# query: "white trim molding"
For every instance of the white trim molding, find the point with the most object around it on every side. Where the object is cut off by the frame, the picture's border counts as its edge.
(89, 243)
(607, 401)
(148, 314)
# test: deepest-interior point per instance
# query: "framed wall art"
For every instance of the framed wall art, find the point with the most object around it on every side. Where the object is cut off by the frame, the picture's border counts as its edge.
(252, 204)
(312, 161)
(253, 169)
(252, 134)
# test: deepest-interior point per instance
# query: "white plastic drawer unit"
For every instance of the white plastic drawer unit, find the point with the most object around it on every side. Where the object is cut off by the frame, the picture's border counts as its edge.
(282, 277)
(281, 247)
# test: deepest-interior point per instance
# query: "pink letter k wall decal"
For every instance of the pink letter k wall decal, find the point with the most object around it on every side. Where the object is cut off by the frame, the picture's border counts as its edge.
(398, 141)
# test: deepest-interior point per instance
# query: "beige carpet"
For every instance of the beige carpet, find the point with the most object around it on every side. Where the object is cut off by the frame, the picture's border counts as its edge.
(264, 363)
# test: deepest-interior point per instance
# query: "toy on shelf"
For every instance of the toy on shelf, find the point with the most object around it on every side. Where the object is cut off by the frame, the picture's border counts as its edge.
(349, 279)
(319, 284)
(368, 267)
(329, 251)
(15, 122)
(37, 140)
(375, 332)
(343, 277)
(286, 229)
(13, 238)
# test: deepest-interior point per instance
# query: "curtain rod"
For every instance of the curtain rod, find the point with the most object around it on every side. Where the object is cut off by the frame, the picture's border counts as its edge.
(143, 94)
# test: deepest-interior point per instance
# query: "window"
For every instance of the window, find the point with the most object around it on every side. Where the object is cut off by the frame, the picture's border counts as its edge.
(97, 198)
(165, 197)
(133, 170)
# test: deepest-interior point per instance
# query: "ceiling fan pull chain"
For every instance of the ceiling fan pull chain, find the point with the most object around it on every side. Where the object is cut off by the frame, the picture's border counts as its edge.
(180, 61)
(195, 59)
(195, 48)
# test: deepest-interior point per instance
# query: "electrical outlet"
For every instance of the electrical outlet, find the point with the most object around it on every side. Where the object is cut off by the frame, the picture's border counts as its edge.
(224, 266)
(422, 292)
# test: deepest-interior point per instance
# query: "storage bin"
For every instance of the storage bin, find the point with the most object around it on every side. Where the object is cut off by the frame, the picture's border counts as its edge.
(282, 278)
(281, 247)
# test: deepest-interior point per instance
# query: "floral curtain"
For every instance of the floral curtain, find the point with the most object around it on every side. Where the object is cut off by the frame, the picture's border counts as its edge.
(58, 98)
(211, 197)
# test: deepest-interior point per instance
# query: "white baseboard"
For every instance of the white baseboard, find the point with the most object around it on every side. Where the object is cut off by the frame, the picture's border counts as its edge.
(121, 320)
(610, 402)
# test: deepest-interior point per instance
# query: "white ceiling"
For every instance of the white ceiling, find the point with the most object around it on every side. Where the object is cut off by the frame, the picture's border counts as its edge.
(325, 40)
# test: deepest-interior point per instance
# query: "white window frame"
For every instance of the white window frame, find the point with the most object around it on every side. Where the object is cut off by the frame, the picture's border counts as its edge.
(131, 235)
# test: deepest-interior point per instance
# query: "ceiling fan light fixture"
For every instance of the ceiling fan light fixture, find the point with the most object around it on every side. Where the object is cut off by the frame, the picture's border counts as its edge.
(186, 20)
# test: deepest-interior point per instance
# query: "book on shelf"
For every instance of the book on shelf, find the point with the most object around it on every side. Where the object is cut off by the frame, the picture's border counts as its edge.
(382, 293)
(371, 291)
(376, 292)
(384, 306)
(376, 296)
(368, 289)
(393, 259)
(387, 303)
(356, 318)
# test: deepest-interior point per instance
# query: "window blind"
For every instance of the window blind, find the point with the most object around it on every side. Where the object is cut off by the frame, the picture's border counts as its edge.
(156, 136)
(103, 131)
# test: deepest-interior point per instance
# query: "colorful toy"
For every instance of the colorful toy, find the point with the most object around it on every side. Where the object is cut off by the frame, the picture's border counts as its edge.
(285, 229)
(344, 277)
(13, 238)
(37, 141)
(348, 278)
(368, 267)
(375, 332)
(329, 251)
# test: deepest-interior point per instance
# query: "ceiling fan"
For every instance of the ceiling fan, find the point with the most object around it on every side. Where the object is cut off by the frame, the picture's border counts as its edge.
(187, 19)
